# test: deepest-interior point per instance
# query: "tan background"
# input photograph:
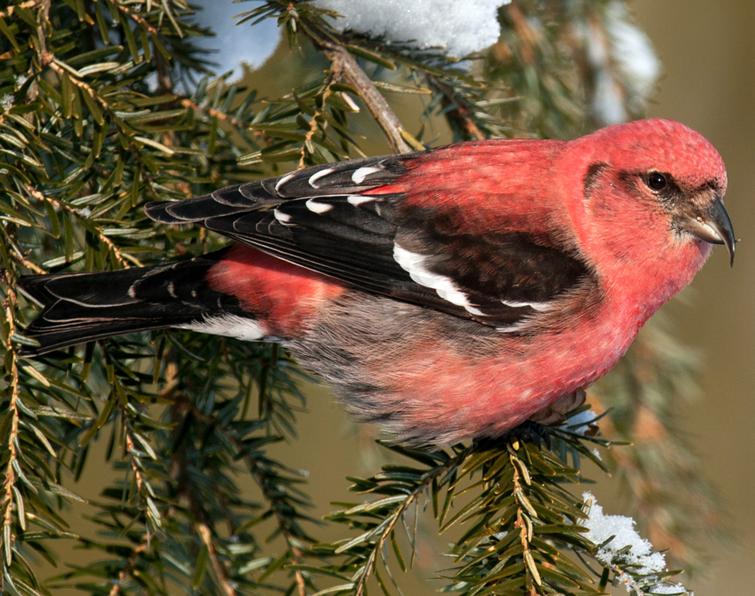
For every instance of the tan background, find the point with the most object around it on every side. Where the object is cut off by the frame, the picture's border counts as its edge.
(708, 54)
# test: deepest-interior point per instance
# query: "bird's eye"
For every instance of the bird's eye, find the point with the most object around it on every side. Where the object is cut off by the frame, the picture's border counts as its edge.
(656, 181)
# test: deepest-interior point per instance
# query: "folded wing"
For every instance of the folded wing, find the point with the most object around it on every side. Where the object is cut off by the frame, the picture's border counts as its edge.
(352, 221)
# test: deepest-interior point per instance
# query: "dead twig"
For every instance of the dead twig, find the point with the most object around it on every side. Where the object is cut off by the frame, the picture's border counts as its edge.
(346, 67)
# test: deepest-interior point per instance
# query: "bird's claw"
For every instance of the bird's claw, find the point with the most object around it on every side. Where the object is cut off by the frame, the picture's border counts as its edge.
(558, 411)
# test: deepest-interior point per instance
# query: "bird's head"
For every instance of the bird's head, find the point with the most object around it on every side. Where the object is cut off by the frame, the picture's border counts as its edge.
(651, 195)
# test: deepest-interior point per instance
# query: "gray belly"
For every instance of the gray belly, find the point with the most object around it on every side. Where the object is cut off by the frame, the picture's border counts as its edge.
(358, 345)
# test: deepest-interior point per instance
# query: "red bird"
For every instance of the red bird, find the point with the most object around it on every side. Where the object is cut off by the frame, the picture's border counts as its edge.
(445, 294)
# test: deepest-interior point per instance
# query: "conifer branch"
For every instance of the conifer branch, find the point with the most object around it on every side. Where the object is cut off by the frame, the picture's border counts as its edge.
(63, 70)
(317, 116)
(524, 523)
(221, 574)
(13, 411)
(283, 522)
(123, 259)
(137, 18)
(201, 523)
(456, 110)
(211, 112)
(18, 255)
(346, 66)
(130, 566)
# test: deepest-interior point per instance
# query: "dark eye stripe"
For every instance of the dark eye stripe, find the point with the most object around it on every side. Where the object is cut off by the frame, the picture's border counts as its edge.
(591, 177)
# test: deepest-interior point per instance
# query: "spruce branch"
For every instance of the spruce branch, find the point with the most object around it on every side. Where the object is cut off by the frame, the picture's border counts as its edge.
(519, 523)
(73, 76)
(201, 520)
(19, 257)
(346, 66)
(211, 112)
(136, 17)
(13, 412)
(131, 564)
(398, 487)
(457, 110)
(317, 117)
(525, 513)
(221, 574)
(283, 509)
(123, 259)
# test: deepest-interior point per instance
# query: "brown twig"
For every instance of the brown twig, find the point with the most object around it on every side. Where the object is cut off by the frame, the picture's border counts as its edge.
(205, 535)
(525, 32)
(32, 266)
(128, 569)
(48, 59)
(212, 112)
(18, 256)
(122, 258)
(9, 480)
(523, 522)
(130, 447)
(314, 121)
(138, 19)
(344, 65)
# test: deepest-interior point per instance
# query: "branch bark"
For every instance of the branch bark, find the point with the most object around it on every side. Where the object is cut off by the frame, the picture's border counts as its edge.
(346, 67)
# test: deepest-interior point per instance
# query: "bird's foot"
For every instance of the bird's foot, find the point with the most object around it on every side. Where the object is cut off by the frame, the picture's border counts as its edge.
(557, 412)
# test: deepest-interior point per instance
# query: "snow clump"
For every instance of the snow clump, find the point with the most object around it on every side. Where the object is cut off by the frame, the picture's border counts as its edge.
(620, 548)
(460, 28)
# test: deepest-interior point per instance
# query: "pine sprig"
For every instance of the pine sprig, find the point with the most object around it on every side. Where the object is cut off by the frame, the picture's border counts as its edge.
(520, 525)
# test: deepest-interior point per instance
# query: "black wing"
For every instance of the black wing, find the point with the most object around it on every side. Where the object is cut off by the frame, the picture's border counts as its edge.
(320, 218)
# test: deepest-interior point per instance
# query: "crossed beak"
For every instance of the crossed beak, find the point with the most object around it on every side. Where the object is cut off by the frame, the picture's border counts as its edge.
(714, 225)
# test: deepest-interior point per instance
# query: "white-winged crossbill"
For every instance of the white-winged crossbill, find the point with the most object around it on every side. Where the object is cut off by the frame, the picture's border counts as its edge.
(444, 294)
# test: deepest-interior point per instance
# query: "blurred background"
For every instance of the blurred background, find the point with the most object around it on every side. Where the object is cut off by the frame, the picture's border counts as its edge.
(707, 50)
(708, 56)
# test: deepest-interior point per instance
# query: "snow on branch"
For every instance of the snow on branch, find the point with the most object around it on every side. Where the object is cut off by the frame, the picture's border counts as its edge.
(635, 564)
(459, 27)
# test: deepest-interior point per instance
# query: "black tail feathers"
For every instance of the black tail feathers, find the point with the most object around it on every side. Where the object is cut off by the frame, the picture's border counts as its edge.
(82, 307)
